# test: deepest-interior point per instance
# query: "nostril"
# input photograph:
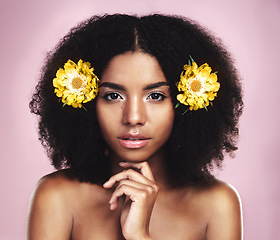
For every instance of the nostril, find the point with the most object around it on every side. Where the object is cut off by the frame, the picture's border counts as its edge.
(133, 123)
(134, 119)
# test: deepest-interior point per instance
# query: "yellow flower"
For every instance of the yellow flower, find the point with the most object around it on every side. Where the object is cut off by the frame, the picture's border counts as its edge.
(197, 86)
(76, 83)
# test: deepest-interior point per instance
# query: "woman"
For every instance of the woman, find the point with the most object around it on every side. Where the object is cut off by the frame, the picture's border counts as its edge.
(135, 138)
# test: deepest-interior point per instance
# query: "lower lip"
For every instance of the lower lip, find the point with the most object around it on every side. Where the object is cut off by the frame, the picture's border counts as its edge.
(133, 143)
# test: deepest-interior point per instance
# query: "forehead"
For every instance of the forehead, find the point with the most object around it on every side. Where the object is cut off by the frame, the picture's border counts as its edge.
(133, 68)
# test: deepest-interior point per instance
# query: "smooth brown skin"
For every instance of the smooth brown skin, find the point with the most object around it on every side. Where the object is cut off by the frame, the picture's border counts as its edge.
(136, 202)
(63, 207)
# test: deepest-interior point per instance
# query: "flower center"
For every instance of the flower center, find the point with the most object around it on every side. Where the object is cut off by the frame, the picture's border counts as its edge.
(196, 85)
(77, 83)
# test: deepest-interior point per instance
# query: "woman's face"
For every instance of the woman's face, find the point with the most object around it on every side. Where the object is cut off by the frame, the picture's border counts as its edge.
(134, 107)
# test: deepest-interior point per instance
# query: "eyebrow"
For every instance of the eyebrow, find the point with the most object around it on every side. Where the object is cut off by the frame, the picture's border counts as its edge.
(112, 85)
(121, 87)
(155, 85)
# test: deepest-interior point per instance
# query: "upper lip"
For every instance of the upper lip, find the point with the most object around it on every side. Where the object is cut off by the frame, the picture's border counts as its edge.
(131, 136)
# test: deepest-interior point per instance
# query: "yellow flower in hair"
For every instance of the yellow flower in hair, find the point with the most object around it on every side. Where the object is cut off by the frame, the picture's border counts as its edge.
(76, 83)
(197, 86)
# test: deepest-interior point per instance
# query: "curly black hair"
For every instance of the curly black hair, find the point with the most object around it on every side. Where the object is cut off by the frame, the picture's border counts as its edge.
(199, 139)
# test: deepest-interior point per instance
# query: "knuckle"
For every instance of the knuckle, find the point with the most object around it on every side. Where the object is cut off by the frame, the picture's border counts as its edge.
(122, 184)
(144, 195)
(150, 189)
(130, 171)
(156, 187)
(127, 171)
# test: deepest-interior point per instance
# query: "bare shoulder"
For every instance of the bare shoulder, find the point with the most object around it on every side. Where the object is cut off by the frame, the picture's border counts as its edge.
(56, 183)
(53, 187)
(48, 208)
(223, 210)
(222, 194)
(54, 203)
(63, 187)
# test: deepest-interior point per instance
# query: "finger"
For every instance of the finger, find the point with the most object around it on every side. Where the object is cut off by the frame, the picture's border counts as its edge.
(129, 191)
(127, 174)
(148, 190)
(143, 167)
(137, 185)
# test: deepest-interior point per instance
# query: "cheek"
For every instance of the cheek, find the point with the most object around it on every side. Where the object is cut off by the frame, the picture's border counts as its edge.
(169, 119)
(103, 117)
(163, 121)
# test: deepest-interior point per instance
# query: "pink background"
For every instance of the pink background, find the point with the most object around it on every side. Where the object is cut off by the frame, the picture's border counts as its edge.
(251, 31)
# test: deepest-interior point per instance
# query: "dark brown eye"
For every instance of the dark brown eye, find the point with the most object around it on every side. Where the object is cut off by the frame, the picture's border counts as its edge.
(157, 96)
(112, 96)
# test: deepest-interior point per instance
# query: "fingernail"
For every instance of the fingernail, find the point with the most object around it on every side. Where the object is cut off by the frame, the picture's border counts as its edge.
(106, 184)
(112, 206)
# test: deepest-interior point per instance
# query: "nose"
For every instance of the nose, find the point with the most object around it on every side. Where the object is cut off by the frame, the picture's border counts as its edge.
(134, 112)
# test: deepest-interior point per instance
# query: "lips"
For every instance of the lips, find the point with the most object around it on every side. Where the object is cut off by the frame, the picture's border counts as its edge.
(133, 141)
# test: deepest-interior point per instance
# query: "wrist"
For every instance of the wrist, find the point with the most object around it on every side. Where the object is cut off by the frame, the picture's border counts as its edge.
(147, 237)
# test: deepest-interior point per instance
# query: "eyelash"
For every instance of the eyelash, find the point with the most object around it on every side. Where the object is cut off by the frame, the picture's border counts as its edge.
(108, 96)
(160, 95)
(111, 96)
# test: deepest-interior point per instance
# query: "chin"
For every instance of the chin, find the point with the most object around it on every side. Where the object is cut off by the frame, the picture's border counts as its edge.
(135, 156)
(134, 159)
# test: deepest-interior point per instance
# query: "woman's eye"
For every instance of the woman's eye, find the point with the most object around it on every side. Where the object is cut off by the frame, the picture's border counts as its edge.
(112, 96)
(157, 96)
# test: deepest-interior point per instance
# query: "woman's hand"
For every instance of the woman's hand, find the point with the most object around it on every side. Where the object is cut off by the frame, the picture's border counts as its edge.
(140, 191)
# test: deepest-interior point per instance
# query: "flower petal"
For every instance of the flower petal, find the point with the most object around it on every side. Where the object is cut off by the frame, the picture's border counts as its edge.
(70, 94)
(193, 96)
